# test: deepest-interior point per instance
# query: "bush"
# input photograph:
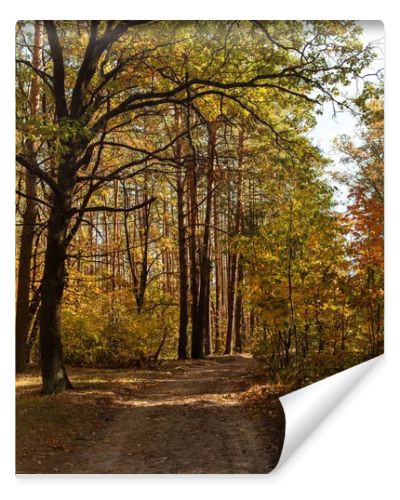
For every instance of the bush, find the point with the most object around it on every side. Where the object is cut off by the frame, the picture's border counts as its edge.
(107, 333)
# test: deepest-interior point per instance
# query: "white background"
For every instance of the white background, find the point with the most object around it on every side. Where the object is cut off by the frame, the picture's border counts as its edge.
(355, 452)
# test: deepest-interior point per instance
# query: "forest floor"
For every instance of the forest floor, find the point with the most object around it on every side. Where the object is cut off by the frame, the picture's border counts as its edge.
(209, 416)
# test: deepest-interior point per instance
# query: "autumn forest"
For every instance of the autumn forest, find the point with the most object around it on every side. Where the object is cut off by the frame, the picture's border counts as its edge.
(172, 204)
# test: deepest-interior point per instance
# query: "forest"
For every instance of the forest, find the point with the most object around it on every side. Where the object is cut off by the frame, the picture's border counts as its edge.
(175, 215)
(170, 203)
(175, 218)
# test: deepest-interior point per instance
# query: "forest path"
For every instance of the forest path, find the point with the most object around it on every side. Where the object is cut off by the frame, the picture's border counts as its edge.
(216, 415)
(188, 419)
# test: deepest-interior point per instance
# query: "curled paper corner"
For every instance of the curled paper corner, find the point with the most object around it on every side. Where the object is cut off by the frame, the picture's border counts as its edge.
(307, 408)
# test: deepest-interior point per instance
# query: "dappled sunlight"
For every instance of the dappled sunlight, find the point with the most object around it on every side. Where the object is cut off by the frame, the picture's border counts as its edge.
(228, 399)
(172, 203)
(27, 380)
(149, 421)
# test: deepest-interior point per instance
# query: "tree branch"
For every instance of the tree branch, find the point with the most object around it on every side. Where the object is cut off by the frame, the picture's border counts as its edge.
(34, 169)
(42, 74)
(38, 200)
(59, 75)
(104, 208)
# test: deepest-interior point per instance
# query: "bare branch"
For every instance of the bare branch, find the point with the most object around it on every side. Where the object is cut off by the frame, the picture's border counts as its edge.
(34, 198)
(42, 74)
(34, 169)
(103, 208)
(59, 75)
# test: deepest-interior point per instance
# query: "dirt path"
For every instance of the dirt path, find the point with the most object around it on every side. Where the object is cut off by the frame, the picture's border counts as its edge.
(187, 420)
(205, 416)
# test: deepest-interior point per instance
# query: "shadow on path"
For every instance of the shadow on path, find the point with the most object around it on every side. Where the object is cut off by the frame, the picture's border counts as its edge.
(188, 419)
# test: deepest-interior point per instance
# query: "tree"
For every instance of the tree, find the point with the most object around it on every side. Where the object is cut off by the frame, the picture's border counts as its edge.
(182, 245)
(23, 316)
(366, 212)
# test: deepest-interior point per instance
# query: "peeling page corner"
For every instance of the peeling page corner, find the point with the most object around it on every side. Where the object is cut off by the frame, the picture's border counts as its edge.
(305, 409)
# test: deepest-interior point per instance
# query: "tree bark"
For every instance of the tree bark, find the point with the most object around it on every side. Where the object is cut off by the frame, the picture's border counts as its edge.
(230, 302)
(182, 245)
(239, 308)
(207, 325)
(203, 324)
(54, 375)
(23, 318)
(197, 344)
(293, 326)
(144, 267)
(233, 256)
(218, 279)
(183, 275)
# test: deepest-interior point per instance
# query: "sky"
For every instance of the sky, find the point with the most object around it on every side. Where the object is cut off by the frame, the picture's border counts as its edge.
(329, 127)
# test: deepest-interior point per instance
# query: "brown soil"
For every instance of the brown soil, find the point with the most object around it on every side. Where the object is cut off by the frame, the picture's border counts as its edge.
(187, 417)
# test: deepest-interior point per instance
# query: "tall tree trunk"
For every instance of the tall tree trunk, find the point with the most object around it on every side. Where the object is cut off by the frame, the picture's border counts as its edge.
(114, 242)
(129, 252)
(29, 218)
(230, 302)
(144, 268)
(183, 275)
(54, 375)
(293, 326)
(197, 346)
(34, 307)
(182, 245)
(202, 329)
(239, 308)
(207, 324)
(166, 254)
(218, 278)
(106, 251)
(233, 256)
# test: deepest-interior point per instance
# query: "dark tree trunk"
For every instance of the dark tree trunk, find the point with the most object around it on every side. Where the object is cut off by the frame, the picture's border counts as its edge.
(24, 278)
(233, 256)
(239, 309)
(23, 317)
(129, 253)
(33, 335)
(197, 343)
(202, 325)
(218, 279)
(34, 323)
(182, 244)
(230, 303)
(183, 275)
(207, 326)
(144, 268)
(115, 239)
(293, 327)
(54, 375)
(251, 324)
